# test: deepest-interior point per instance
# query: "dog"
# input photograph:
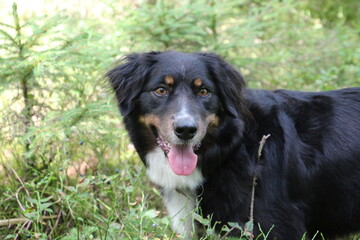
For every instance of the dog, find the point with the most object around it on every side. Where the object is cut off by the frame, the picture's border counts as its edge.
(197, 129)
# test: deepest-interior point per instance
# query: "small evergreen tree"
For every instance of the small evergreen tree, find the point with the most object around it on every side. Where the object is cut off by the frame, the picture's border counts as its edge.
(24, 55)
(44, 72)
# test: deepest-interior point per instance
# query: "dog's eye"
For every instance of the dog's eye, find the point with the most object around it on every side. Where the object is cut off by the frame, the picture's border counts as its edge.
(160, 91)
(203, 92)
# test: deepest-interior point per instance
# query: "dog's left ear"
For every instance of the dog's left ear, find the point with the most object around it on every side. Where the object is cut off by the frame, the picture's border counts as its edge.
(128, 78)
(229, 82)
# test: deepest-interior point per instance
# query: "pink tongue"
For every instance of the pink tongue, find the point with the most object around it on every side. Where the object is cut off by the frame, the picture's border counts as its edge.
(182, 159)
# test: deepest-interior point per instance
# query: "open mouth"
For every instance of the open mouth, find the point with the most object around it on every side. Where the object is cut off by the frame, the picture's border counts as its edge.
(182, 157)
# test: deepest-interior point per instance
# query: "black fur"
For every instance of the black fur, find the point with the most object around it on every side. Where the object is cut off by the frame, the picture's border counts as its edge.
(308, 178)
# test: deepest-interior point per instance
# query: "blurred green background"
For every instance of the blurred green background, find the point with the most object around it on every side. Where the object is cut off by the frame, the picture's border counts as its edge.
(67, 168)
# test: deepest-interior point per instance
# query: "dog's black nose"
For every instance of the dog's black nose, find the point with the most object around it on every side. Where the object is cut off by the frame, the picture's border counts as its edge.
(185, 128)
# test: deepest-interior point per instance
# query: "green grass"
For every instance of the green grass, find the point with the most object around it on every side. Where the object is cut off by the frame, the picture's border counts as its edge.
(114, 202)
(111, 204)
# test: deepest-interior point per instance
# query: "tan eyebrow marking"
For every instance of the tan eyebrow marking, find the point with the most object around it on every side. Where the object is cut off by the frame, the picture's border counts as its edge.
(198, 82)
(169, 80)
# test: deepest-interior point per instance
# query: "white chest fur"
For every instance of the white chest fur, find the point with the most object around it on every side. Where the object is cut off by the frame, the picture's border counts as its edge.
(179, 205)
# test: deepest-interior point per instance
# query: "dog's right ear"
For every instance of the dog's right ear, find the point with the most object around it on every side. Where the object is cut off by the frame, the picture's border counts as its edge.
(128, 78)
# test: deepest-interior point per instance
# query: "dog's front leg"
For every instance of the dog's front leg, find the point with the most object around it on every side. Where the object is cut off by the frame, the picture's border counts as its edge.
(180, 206)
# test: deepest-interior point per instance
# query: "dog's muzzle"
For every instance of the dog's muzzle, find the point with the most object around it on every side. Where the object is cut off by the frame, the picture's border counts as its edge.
(181, 152)
(185, 128)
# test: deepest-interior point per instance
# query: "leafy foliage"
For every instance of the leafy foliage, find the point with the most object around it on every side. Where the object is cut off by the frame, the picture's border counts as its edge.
(67, 167)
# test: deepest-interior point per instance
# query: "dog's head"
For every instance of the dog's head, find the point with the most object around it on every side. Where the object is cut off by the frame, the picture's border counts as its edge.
(181, 97)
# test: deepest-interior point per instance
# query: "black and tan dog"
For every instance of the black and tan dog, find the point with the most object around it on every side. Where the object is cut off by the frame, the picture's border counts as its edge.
(197, 130)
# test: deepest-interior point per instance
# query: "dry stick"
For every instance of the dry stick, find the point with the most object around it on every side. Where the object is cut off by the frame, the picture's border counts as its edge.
(56, 223)
(25, 226)
(17, 176)
(17, 198)
(262, 143)
(7, 222)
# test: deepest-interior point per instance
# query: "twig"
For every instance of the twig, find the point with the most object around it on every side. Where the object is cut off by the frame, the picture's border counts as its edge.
(22, 187)
(26, 226)
(17, 198)
(227, 233)
(17, 176)
(252, 201)
(262, 143)
(10, 221)
(56, 223)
